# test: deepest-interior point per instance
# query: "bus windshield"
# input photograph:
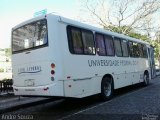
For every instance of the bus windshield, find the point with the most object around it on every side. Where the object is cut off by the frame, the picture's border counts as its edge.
(30, 36)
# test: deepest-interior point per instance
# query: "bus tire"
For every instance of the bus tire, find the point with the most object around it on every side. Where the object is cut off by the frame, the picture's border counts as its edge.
(146, 79)
(107, 88)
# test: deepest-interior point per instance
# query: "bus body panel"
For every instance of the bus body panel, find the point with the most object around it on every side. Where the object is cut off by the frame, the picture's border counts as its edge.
(87, 77)
(75, 75)
(55, 89)
(33, 69)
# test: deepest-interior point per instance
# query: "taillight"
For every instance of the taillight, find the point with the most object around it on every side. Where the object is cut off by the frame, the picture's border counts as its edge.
(52, 78)
(53, 65)
(52, 71)
(46, 88)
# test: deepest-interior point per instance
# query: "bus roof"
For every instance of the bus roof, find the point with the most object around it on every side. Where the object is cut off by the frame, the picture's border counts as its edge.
(99, 30)
(82, 25)
(29, 21)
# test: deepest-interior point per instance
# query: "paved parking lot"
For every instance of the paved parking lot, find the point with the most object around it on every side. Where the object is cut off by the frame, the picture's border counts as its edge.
(142, 104)
(130, 103)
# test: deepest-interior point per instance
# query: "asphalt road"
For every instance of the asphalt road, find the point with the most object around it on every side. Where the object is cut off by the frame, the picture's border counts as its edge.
(130, 103)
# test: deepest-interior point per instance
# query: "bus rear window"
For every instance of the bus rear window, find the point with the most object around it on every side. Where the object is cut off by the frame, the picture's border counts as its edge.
(30, 36)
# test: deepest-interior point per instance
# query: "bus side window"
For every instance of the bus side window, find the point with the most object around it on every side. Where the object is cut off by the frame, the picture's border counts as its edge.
(136, 51)
(131, 49)
(124, 44)
(109, 46)
(81, 41)
(100, 46)
(140, 49)
(145, 51)
(88, 42)
(117, 45)
(77, 41)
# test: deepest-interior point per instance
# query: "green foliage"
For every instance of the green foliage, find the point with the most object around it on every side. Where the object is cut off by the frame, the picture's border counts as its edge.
(123, 29)
(8, 52)
(112, 28)
(156, 45)
(130, 32)
(139, 36)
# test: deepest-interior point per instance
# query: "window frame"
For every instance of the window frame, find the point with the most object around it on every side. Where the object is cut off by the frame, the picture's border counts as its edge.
(136, 49)
(118, 39)
(142, 45)
(88, 31)
(103, 43)
(112, 43)
(130, 52)
(127, 47)
(141, 50)
(146, 55)
(31, 48)
(70, 39)
(80, 41)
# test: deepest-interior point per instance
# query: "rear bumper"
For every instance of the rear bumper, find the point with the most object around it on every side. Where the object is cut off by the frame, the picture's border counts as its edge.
(55, 89)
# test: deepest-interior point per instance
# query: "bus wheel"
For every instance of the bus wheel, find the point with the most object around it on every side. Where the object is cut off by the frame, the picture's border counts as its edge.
(107, 89)
(146, 79)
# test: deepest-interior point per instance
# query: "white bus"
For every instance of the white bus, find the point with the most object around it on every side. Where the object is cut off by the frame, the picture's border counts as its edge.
(56, 56)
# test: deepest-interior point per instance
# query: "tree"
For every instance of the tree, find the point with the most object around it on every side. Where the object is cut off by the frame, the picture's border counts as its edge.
(157, 46)
(117, 14)
(135, 18)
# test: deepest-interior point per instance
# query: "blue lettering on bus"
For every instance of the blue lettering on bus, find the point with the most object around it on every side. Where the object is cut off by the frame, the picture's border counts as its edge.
(30, 69)
(96, 63)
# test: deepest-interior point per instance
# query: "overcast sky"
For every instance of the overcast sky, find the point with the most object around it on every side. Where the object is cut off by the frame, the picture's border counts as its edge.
(13, 12)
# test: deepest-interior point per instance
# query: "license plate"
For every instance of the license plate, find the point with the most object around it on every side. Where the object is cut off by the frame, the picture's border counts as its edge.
(29, 82)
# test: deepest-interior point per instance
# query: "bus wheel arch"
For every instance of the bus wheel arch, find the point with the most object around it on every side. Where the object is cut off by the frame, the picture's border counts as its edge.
(107, 87)
(146, 78)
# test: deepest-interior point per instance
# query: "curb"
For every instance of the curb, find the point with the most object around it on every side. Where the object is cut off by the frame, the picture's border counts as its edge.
(9, 93)
(25, 105)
